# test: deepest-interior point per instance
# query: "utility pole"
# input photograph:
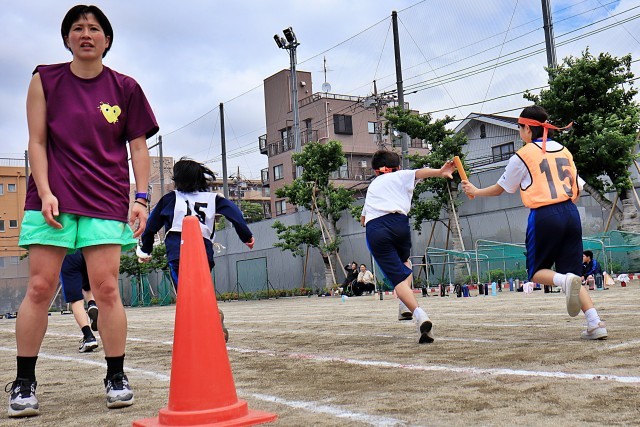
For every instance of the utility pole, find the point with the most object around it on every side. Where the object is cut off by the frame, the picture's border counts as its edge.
(225, 184)
(161, 166)
(548, 34)
(396, 50)
(378, 128)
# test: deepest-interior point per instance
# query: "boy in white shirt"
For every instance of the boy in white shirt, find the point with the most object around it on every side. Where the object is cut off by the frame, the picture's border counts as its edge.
(388, 232)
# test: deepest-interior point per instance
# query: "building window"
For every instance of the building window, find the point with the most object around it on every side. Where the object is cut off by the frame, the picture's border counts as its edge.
(281, 207)
(342, 124)
(266, 192)
(277, 172)
(1, 189)
(371, 127)
(483, 131)
(13, 223)
(502, 152)
(11, 188)
(1, 225)
(14, 260)
(2, 265)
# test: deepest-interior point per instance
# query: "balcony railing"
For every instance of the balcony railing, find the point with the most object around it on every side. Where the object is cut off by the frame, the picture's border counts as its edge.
(288, 144)
(322, 95)
(262, 142)
(264, 174)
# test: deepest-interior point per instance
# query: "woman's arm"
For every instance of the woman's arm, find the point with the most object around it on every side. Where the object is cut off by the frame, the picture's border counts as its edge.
(141, 165)
(37, 123)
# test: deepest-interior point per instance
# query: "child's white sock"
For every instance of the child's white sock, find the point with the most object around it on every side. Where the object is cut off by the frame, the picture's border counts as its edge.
(420, 315)
(592, 318)
(559, 279)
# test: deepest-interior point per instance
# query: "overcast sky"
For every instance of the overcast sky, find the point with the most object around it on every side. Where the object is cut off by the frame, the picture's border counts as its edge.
(189, 56)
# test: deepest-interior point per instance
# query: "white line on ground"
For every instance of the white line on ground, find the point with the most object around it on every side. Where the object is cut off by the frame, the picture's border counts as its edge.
(309, 406)
(338, 412)
(624, 344)
(374, 363)
(444, 368)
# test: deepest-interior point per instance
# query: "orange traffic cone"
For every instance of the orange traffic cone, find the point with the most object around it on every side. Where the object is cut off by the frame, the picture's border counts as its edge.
(202, 391)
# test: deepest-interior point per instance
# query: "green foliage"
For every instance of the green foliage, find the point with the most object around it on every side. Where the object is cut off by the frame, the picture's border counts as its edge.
(318, 162)
(130, 266)
(266, 294)
(596, 93)
(221, 223)
(252, 211)
(444, 145)
(292, 237)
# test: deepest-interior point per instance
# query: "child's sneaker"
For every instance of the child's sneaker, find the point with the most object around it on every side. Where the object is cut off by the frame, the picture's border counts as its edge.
(425, 331)
(597, 333)
(404, 313)
(119, 394)
(22, 400)
(88, 344)
(572, 286)
(92, 311)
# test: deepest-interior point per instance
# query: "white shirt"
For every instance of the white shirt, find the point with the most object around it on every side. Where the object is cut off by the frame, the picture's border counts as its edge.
(516, 175)
(389, 193)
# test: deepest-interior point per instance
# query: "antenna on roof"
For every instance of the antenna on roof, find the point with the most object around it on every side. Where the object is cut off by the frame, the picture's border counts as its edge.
(326, 87)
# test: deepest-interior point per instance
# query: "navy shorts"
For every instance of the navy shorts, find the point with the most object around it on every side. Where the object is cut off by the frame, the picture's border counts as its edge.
(74, 277)
(389, 240)
(554, 236)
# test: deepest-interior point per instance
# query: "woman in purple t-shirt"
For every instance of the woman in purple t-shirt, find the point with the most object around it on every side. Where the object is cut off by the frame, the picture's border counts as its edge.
(81, 115)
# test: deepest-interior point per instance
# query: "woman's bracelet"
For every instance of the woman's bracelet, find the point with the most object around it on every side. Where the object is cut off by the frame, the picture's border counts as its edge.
(140, 203)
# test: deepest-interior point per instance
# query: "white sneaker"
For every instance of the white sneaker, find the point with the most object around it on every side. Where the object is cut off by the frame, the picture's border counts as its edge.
(119, 393)
(88, 344)
(572, 286)
(597, 333)
(22, 400)
(404, 313)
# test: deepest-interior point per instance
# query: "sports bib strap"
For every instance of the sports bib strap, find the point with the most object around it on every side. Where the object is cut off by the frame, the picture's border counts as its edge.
(546, 126)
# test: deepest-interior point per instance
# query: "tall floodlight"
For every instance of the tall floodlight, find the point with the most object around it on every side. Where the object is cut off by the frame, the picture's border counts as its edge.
(290, 42)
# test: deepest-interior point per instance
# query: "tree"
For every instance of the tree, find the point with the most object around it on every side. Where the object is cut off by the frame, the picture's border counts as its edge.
(252, 211)
(130, 266)
(314, 191)
(596, 93)
(444, 144)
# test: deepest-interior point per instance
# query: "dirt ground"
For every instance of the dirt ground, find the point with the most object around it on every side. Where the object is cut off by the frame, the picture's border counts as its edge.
(513, 359)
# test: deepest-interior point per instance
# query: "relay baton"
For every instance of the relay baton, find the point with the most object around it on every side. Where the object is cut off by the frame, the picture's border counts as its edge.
(461, 172)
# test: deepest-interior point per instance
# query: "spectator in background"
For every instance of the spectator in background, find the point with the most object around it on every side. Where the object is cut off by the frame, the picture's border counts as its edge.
(351, 275)
(364, 282)
(590, 267)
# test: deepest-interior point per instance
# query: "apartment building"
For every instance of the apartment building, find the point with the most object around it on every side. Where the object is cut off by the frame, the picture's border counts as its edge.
(323, 116)
(13, 186)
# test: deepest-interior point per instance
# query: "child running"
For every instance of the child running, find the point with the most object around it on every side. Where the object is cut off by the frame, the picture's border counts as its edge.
(387, 227)
(76, 289)
(548, 180)
(191, 197)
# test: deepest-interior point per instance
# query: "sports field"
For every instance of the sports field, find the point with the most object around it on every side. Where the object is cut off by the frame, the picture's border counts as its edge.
(513, 359)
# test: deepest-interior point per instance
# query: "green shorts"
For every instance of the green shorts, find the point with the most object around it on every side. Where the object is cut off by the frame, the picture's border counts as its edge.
(76, 232)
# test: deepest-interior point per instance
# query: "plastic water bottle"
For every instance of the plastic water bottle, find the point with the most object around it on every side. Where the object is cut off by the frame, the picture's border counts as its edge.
(344, 298)
(493, 289)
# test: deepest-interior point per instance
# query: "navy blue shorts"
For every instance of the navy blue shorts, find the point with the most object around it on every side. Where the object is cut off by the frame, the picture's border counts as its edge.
(554, 236)
(74, 277)
(389, 240)
(174, 270)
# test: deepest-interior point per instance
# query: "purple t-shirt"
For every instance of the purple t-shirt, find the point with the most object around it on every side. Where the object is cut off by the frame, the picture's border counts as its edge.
(89, 122)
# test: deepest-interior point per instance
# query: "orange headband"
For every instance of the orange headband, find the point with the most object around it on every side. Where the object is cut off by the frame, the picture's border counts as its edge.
(546, 126)
(385, 169)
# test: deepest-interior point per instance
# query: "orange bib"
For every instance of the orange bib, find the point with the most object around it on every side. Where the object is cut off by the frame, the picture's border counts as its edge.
(554, 178)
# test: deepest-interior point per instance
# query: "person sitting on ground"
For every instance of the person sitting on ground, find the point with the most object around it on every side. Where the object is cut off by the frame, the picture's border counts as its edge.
(364, 282)
(351, 273)
(590, 267)
(75, 288)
